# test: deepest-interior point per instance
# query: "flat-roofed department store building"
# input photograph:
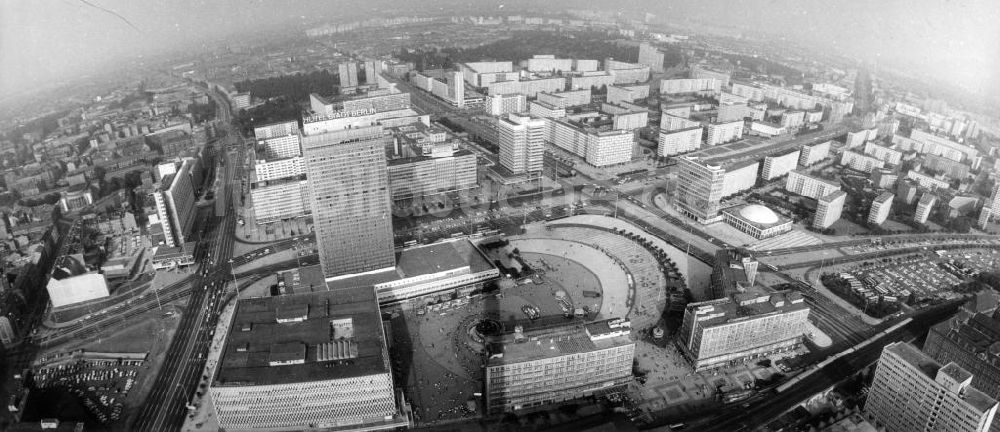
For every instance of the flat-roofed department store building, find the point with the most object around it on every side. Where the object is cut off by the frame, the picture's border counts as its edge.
(308, 361)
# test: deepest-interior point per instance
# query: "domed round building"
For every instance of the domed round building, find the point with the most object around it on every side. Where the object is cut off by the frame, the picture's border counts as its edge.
(756, 220)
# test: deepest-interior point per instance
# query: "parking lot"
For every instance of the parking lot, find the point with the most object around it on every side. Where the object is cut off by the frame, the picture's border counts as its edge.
(924, 275)
(976, 260)
(891, 244)
(100, 382)
(920, 276)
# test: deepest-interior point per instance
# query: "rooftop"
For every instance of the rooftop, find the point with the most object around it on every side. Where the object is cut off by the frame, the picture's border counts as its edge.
(927, 365)
(602, 126)
(304, 337)
(408, 160)
(743, 306)
(832, 195)
(423, 260)
(759, 215)
(793, 150)
(733, 166)
(517, 347)
(166, 181)
(830, 182)
(884, 197)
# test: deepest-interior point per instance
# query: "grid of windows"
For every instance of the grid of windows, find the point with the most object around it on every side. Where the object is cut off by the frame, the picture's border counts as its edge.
(531, 383)
(433, 176)
(905, 396)
(349, 187)
(738, 340)
(339, 402)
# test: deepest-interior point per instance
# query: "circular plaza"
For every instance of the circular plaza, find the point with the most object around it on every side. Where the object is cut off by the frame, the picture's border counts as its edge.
(578, 269)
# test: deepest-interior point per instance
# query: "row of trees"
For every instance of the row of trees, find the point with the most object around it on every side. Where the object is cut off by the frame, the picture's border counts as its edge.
(274, 110)
(296, 86)
(524, 45)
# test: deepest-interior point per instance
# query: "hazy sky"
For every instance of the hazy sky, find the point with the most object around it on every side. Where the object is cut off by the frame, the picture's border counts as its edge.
(959, 39)
(45, 39)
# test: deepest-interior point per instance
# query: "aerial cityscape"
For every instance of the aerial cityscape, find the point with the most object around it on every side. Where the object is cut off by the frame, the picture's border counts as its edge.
(499, 216)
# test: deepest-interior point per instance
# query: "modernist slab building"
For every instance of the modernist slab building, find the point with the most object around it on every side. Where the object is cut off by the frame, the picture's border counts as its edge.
(912, 392)
(742, 327)
(532, 368)
(349, 187)
(315, 361)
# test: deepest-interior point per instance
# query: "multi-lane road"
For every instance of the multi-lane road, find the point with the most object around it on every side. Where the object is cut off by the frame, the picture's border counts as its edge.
(769, 405)
(176, 383)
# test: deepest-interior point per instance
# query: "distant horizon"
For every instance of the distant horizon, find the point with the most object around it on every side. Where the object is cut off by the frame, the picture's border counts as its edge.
(76, 38)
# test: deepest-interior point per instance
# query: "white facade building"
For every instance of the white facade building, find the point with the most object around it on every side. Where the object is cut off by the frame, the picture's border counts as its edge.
(678, 141)
(276, 129)
(627, 93)
(913, 392)
(812, 154)
(740, 177)
(598, 147)
(281, 147)
(927, 181)
(498, 105)
(690, 85)
(883, 153)
(721, 133)
(924, 208)
(861, 162)
(266, 170)
(779, 165)
(881, 208)
(829, 209)
(522, 143)
(800, 183)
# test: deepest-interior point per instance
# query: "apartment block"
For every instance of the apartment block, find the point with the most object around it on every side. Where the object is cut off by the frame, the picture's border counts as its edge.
(280, 147)
(690, 85)
(265, 170)
(780, 165)
(529, 88)
(861, 162)
(280, 199)
(535, 367)
(740, 177)
(928, 181)
(627, 93)
(798, 182)
(721, 133)
(626, 116)
(522, 143)
(274, 130)
(881, 208)
(924, 208)
(598, 144)
(829, 208)
(626, 73)
(565, 99)
(912, 392)
(498, 105)
(883, 153)
(679, 141)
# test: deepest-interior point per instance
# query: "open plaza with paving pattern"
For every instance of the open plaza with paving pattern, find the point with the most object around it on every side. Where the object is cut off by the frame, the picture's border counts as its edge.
(573, 258)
